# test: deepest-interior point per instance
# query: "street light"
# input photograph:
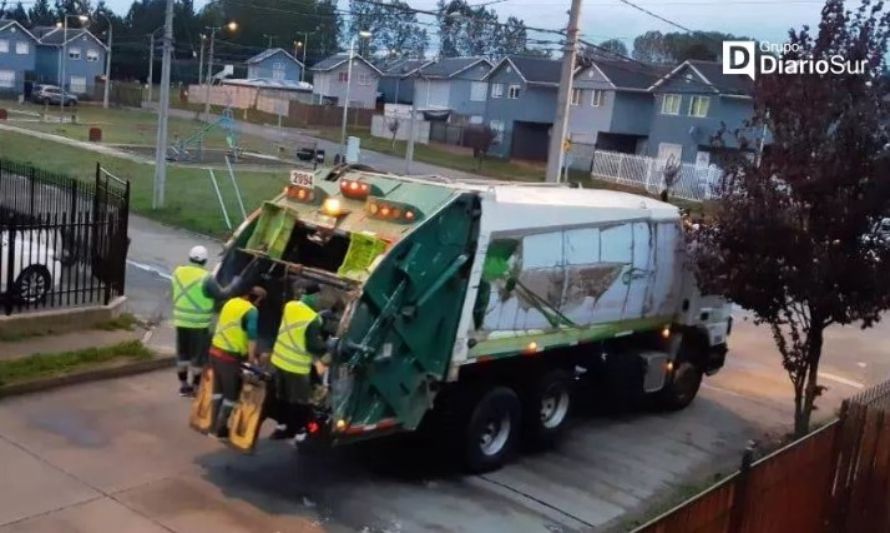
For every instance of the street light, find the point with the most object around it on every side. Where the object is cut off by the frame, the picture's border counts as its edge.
(231, 26)
(62, 61)
(107, 61)
(364, 34)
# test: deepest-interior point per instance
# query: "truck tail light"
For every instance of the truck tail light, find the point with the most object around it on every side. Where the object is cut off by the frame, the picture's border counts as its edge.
(384, 210)
(306, 195)
(357, 190)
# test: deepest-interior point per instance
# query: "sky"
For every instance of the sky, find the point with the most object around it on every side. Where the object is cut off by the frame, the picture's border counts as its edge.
(764, 20)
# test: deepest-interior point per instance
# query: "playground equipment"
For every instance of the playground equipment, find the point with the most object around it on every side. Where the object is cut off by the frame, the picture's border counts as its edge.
(192, 148)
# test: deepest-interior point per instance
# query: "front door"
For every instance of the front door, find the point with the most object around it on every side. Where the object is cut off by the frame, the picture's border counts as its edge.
(668, 150)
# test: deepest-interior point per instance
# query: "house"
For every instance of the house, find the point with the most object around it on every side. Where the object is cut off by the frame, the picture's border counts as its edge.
(521, 105)
(611, 106)
(274, 64)
(18, 56)
(330, 77)
(691, 104)
(454, 85)
(397, 82)
(84, 59)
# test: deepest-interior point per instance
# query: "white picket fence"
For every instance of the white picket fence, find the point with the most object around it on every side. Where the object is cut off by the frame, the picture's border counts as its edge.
(694, 182)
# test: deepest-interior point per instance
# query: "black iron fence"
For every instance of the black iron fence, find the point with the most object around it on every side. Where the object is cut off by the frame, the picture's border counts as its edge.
(64, 240)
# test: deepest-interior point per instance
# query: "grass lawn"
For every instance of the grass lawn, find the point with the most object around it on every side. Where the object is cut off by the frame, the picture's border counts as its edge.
(124, 126)
(46, 365)
(191, 202)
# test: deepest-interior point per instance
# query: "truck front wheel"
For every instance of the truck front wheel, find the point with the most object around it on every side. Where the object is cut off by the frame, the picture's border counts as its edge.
(547, 408)
(491, 430)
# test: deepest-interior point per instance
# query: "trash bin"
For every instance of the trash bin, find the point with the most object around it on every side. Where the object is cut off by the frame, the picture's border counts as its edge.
(2, 114)
(95, 135)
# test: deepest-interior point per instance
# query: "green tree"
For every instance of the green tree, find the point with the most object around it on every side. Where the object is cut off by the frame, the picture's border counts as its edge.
(394, 28)
(466, 30)
(614, 46)
(41, 14)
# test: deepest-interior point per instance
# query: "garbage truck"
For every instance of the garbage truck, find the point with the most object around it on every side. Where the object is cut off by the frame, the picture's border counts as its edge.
(485, 308)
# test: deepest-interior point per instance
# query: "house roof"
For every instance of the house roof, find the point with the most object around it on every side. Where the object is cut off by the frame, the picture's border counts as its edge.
(451, 66)
(271, 52)
(535, 70)
(334, 61)
(403, 67)
(712, 78)
(627, 74)
(265, 83)
(54, 36)
(6, 23)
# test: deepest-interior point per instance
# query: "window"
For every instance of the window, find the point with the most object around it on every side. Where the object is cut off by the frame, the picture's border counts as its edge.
(513, 92)
(278, 70)
(597, 98)
(92, 55)
(497, 90)
(4, 46)
(364, 79)
(343, 77)
(477, 91)
(22, 48)
(74, 53)
(77, 84)
(670, 104)
(7, 79)
(576, 96)
(497, 126)
(698, 106)
(476, 119)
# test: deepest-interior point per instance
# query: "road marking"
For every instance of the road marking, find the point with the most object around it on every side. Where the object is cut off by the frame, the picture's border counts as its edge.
(149, 268)
(725, 391)
(842, 380)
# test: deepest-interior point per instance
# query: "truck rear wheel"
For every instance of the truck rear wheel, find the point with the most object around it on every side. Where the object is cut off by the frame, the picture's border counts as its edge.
(491, 430)
(547, 408)
(681, 386)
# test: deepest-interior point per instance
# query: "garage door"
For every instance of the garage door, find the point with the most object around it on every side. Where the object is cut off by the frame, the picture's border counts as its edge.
(530, 141)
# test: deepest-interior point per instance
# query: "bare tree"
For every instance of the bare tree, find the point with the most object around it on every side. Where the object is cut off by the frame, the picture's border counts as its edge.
(393, 126)
(480, 138)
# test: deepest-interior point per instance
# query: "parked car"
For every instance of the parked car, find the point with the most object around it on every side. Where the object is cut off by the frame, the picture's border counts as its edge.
(51, 94)
(36, 270)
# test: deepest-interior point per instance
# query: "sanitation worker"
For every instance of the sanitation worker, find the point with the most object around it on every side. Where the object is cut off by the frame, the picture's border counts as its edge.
(195, 293)
(299, 344)
(234, 343)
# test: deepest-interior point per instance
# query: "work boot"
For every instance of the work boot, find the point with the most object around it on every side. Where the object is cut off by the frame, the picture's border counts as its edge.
(186, 390)
(281, 433)
(222, 433)
(300, 437)
(222, 422)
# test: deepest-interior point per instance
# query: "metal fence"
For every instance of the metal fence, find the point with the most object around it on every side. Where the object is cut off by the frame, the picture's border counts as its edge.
(693, 182)
(64, 240)
(836, 479)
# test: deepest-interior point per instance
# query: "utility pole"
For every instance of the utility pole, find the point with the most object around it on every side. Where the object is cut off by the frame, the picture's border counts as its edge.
(151, 64)
(107, 65)
(209, 74)
(409, 150)
(364, 35)
(161, 145)
(305, 46)
(555, 154)
(201, 60)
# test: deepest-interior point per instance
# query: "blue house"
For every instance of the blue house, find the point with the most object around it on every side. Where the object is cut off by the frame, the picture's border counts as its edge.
(84, 59)
(453, 85)
(274, 64)
(691, 104)
(397, 82)
(521, 105)
(18, 57)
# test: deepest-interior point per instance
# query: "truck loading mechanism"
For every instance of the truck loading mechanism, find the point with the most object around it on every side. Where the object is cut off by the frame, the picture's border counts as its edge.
(482, 306)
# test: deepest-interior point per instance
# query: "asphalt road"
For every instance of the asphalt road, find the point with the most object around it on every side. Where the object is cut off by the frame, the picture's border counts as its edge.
(118, 455)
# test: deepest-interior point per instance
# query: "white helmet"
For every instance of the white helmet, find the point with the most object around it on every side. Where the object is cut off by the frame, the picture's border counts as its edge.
(198, 254)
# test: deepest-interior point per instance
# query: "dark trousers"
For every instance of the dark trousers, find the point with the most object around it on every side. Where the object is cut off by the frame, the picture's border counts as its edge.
(191, 351)
(226, 389)
(292, 399)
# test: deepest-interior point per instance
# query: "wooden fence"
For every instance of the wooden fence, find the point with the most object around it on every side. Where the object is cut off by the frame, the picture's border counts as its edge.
(836, 479)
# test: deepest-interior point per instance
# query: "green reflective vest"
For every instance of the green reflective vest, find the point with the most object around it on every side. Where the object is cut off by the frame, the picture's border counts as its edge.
(289, 353)
(230, 334)
(191, 307)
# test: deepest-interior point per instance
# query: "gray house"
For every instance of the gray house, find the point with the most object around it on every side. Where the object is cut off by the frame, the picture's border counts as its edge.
(84, 59)
(454, 85)
(397, 83)
(691, 103)
(274, 64)
(611, 106)
(18, 56)
(521, 105)
(330, 76)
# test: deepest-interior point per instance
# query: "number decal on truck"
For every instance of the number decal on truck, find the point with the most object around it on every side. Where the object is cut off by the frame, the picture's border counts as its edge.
(301, 178)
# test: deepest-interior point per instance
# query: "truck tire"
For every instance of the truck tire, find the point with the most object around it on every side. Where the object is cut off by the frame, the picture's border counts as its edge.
(491, 430)
(680, 387)
(546, 406)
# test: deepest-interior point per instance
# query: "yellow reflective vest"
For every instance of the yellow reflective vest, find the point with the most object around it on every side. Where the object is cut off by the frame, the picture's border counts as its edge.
(192, 308)
(230, 335)
(290, 353)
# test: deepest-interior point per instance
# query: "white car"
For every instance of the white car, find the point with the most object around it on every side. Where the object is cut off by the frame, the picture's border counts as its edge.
(36, 269)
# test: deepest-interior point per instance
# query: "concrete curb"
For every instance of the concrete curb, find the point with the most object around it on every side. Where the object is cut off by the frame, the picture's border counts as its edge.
(86, 376)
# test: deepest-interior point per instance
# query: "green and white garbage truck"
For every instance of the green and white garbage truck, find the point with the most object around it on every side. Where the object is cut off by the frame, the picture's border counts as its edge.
(484, 307)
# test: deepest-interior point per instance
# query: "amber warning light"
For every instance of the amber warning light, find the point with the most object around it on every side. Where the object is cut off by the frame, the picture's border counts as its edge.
(357, 190)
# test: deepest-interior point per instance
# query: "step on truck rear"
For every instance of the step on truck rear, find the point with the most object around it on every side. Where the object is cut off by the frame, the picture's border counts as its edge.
(483, 307)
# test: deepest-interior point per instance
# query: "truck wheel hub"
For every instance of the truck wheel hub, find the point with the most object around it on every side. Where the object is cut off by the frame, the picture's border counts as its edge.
(495, 434)
(554, 406)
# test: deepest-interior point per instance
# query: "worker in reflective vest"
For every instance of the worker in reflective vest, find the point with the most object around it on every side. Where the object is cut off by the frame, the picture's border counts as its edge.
(296, 351)
(233, 342)
(195, 293)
